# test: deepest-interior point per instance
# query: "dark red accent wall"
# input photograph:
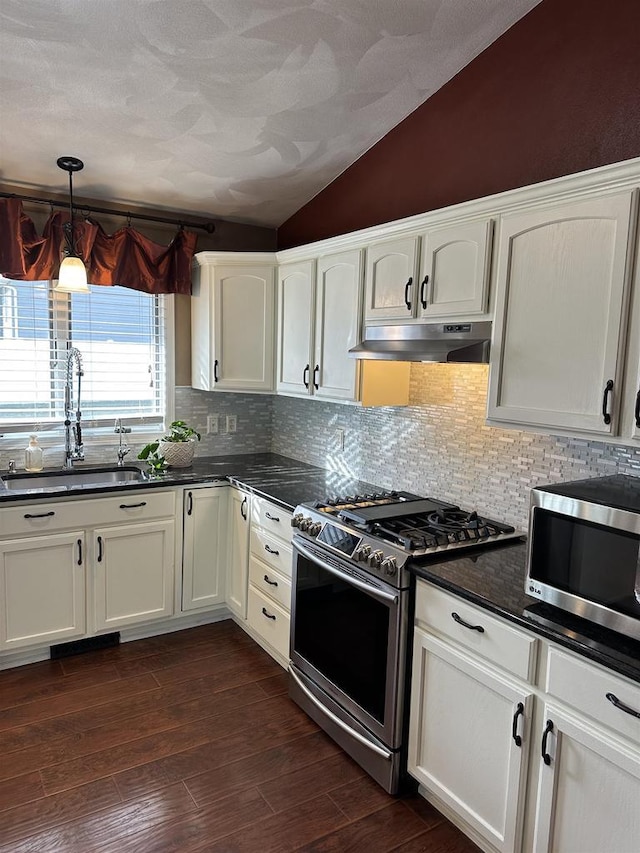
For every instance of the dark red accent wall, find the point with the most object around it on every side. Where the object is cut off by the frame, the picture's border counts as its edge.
(557, 93)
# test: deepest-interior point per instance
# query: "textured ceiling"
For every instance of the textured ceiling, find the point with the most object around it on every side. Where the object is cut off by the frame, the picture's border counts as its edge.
(241, 109)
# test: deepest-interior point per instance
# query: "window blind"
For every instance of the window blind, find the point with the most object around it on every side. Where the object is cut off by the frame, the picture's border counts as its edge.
(120, 334)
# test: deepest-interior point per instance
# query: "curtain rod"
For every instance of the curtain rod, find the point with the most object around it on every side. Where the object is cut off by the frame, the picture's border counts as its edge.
(209, 227)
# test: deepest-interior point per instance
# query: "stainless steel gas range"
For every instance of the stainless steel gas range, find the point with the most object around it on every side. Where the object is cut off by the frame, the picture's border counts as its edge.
(352, 608)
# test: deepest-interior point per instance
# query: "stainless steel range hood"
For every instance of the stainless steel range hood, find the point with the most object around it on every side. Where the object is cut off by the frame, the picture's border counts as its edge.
(457, 342)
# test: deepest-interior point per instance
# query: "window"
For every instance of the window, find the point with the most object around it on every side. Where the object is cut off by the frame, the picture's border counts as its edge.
(120, 334)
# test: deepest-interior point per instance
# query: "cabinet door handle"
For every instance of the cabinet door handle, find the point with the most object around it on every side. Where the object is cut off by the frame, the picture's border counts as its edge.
(133, 506)
(99, 549)
(267, 614)
(407, 286)
(39, 514)
(608, 388)
(243, 508)
(464, 624)
(514, 726)
(79, 552)
(215, 370)
(270, 582)
(423, 295)
(305, 377)
(621, 706)
(190, 503)
(316, 376)
(271, 517)
(637, 411)
(545, 735)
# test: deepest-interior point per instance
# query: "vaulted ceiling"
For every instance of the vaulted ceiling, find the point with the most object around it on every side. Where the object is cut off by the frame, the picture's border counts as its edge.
(240, 109)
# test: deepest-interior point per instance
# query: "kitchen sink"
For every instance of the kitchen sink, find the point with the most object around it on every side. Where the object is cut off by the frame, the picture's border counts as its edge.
(107, 475)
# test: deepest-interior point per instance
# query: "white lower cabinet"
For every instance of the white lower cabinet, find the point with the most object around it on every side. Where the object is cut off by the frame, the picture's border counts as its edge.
(269, 591)
(133, 579)
(43, 589)
(581, 790)
(239, 513)
(588, 798)
(204, 547)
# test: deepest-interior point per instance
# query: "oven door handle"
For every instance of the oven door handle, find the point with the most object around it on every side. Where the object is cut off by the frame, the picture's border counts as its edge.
(363, 585)
(384, 753)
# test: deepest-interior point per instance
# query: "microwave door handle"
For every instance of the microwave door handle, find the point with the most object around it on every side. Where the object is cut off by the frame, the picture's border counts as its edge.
(338, 722)
(365, 587)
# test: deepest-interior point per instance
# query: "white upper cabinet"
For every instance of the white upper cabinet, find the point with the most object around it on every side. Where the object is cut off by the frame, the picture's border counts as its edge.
(319, 322)
(233, 322)
(454, 277)
(337, 325)
(296, 292)
(391, 290)
(561, 310)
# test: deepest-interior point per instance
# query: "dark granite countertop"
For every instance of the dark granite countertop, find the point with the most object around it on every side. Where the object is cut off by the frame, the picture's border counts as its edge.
(285, 481)
(495, 579)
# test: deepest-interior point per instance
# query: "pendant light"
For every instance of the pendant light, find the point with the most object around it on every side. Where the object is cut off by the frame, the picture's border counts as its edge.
(72, 276)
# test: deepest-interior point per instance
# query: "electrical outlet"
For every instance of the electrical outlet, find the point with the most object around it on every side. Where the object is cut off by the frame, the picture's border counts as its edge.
(232, 423)
(339, 433)
(212, 424)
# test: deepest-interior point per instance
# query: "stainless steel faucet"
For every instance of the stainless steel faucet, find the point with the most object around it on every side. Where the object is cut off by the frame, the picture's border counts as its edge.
(122, 450)
(76, 453)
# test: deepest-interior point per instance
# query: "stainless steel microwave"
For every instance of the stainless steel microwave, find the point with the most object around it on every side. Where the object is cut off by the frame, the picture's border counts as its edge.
(584, 549)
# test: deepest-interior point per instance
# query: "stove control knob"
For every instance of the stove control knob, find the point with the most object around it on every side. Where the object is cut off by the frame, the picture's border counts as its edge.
(297, 518)
(375, 559)
(390, 566)
(314, 528)
(362, 552)
(304, 523)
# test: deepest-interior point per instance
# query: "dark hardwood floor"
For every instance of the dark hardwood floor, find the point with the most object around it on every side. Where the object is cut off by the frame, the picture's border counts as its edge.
(186, 742)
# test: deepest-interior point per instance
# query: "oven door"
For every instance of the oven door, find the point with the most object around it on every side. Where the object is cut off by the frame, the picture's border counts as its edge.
(348, 636)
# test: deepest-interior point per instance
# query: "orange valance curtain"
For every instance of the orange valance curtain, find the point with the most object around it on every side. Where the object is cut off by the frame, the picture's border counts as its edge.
(126, 257)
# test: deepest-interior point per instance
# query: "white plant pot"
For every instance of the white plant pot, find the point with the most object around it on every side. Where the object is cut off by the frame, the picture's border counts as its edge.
(177, 454)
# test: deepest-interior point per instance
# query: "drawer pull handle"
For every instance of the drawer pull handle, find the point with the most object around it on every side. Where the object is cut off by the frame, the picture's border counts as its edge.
(271, 551)
(461, 621)
(547, 730)
(133, 506)
(514, 727)
(621, 706)
(243, 508)
(271, 517)
(267, 614)
(39, 514)
(271, 583)
(79, 552)
(99, 549)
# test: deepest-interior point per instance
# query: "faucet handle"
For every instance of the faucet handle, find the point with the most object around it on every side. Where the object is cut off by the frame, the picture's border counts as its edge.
(12, 466)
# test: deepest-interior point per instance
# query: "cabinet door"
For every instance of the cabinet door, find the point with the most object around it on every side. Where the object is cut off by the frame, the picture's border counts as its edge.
(134, 568)
(589, 793)
(337, 326)
(243, 329)
(238, 552)
(560, 315)
(295, 329)
(391, 289)
(203, 547)
(461, 740)
(42, 589)
(455, 271)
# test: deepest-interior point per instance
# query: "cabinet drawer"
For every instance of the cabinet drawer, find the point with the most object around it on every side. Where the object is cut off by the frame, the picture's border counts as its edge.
(585, 687)
(497, 642)
(269, 620)
(271, 550)
(271, 517)
(41, 516)
(270, 583)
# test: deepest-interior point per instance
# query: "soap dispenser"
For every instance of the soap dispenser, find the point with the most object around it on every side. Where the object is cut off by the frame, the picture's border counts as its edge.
(33, 456)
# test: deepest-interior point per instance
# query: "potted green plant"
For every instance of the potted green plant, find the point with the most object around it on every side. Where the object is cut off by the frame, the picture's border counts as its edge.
(174, 450)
